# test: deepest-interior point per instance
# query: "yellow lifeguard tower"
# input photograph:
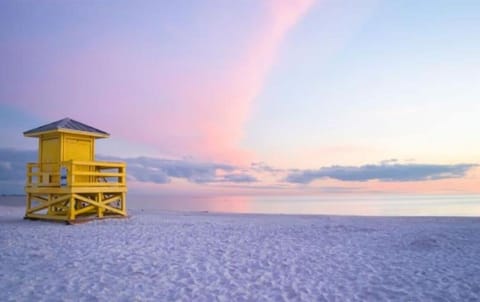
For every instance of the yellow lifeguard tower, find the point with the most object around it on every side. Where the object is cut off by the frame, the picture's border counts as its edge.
(67, 184)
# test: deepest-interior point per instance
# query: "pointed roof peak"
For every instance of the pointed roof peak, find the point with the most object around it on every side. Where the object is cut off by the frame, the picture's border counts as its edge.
(68, 124)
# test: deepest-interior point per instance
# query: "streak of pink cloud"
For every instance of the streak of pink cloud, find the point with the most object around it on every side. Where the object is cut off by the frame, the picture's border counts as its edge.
(246, 78)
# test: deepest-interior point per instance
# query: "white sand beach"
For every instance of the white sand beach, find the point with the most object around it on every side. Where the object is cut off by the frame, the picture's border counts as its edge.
(195, 256)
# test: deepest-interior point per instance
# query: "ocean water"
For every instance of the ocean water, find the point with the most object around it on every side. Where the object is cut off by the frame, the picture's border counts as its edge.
(338, 204)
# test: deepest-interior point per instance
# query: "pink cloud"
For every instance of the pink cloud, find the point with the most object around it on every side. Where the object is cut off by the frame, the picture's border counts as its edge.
(464, 185)
(179, 108)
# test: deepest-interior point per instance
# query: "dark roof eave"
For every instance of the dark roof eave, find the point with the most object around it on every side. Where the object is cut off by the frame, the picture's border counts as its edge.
(68, 125)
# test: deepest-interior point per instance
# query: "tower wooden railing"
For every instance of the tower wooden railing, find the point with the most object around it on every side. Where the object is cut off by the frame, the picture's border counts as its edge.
(75, 173)
(73, 189)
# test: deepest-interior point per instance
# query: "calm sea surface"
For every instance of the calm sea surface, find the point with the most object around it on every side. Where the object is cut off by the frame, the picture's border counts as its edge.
(340, 204)
(376, 205)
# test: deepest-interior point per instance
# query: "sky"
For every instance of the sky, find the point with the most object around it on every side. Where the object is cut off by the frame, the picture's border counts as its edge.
(277, 97)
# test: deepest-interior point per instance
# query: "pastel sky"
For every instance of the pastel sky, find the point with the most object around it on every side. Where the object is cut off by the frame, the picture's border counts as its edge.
(252, 97)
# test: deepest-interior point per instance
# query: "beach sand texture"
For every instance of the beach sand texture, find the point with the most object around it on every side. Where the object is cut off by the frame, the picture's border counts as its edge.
(169, 256)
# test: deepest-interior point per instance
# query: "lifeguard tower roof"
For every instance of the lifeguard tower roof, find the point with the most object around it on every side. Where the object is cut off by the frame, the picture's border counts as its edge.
(66, 125)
